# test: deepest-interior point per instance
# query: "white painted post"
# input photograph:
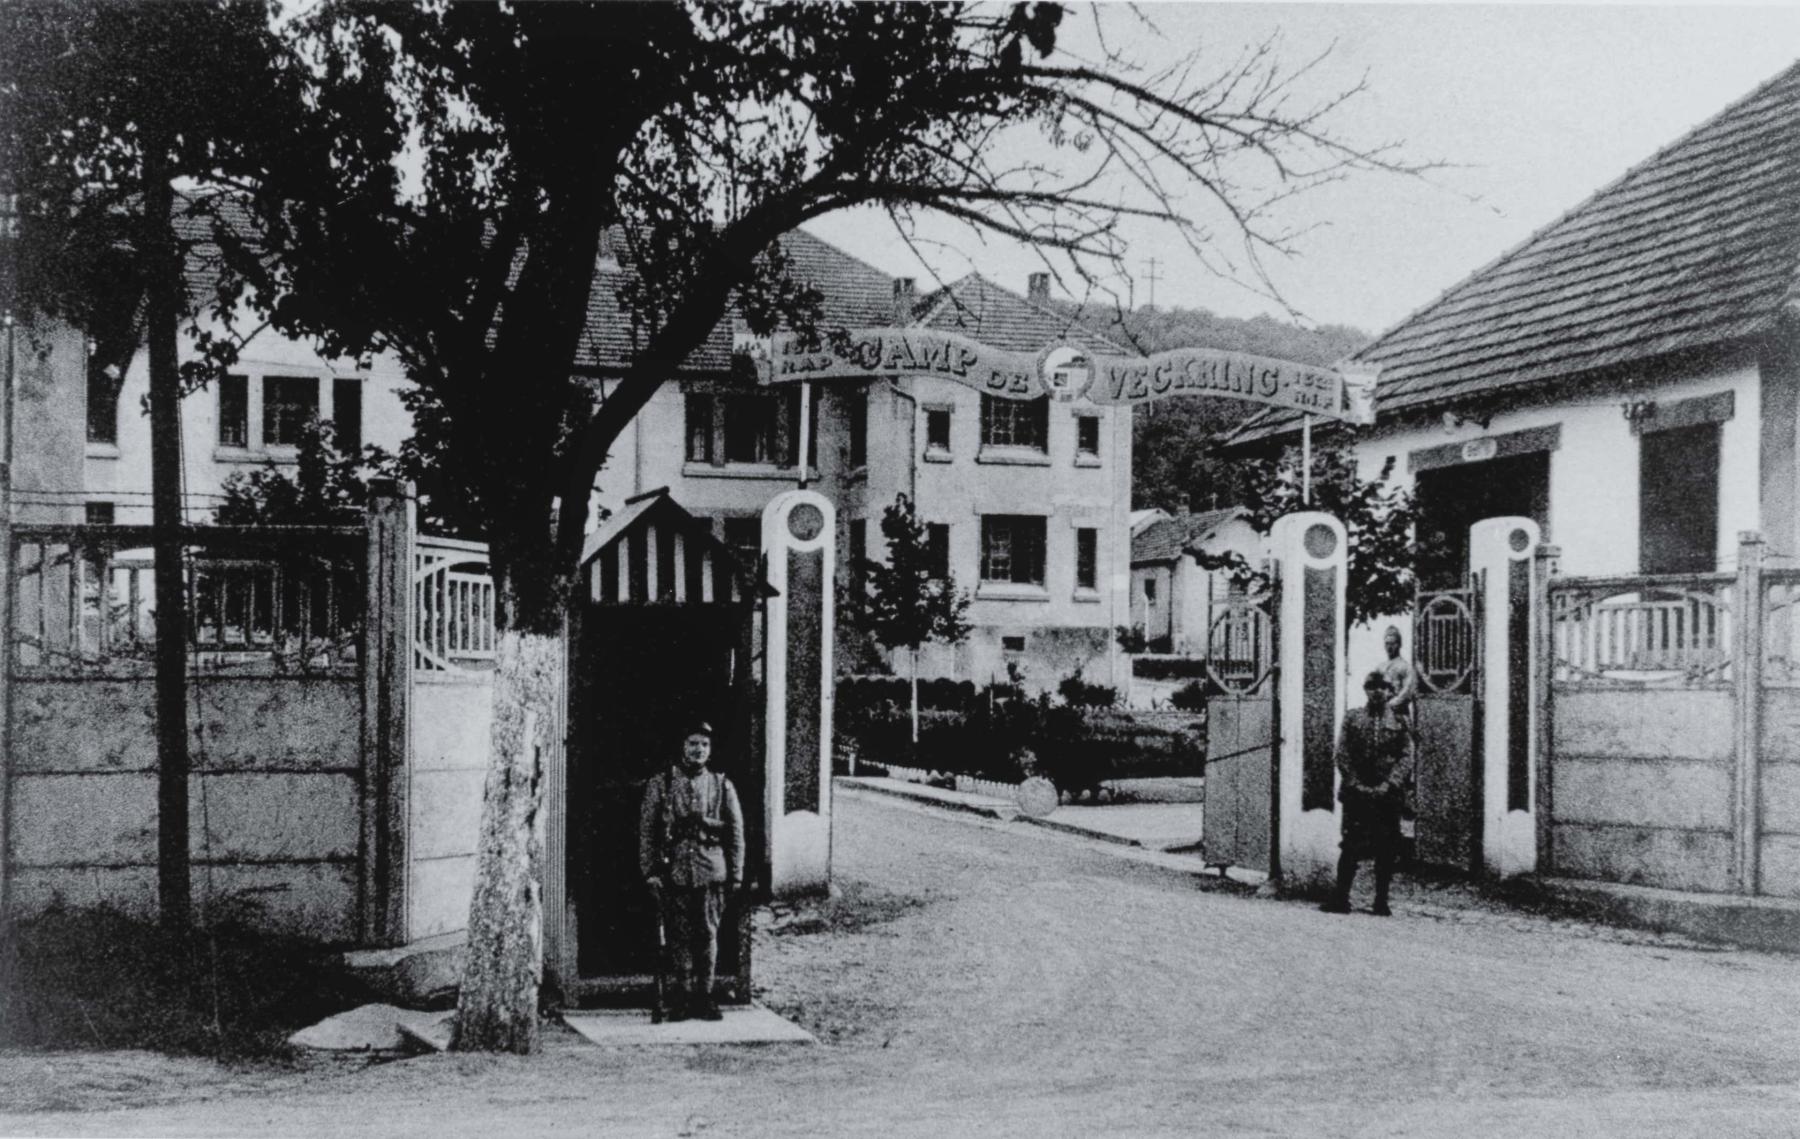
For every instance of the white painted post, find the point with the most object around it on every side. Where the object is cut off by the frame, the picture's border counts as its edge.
(1306, 460)
(1501, 554)
(800, 547)
(1311, 551)
(1746, 676)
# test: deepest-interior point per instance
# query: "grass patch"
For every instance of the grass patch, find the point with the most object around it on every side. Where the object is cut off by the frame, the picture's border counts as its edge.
(858, 907)
(99, 978)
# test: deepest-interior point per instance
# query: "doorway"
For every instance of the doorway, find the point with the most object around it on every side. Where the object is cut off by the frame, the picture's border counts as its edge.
(640, 676)
(1451, 499)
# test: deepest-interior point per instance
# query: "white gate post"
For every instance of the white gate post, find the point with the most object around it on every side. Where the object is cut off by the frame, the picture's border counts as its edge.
(799, 543)
(1311, 551)
(1500, 556)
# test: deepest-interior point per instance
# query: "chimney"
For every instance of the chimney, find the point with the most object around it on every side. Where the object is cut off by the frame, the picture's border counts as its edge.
(1187, 504)
(1037, 288)
(903, 300)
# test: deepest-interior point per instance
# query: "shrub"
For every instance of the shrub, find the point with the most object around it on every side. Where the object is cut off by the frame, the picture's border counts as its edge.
(1168, 668)
(1191, 697)
(1078, 693)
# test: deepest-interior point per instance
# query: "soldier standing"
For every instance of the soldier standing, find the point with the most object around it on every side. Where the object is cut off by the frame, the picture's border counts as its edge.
(691, 852)
(1375, 764)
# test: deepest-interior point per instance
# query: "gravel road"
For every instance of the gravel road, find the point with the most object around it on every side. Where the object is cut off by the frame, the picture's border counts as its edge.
(983, 978)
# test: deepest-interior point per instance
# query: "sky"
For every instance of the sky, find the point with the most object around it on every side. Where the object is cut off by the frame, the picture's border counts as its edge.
(1533, 107)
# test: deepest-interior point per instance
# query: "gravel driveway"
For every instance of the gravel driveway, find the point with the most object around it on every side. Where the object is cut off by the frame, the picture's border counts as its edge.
(983, 978)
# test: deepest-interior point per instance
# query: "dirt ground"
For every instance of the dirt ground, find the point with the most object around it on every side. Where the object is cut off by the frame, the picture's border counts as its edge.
(982, 978)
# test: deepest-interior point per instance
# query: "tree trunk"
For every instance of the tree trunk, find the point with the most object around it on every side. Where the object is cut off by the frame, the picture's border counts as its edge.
(174, 892)
(497, 1010)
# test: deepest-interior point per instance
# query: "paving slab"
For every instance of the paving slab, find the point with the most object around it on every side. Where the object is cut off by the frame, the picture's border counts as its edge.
(631, 1028)
(429, 1030)
(369, 1028)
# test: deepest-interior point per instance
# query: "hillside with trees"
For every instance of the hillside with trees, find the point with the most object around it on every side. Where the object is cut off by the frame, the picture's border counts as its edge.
(1171, 438)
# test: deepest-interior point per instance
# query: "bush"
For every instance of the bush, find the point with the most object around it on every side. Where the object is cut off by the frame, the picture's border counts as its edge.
(1003, 736)
(1169, 668)
(99, 978)
(1078, 693)
(1191, 697)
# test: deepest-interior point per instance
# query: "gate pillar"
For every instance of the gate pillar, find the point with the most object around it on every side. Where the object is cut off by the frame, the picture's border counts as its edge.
(1310, 553)
(1500, 556)
(799, 530)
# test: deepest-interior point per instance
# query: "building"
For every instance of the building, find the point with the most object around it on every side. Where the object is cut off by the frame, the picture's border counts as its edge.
(1027, 501)
(1173, 598)
(1629, 376)
(250, 419)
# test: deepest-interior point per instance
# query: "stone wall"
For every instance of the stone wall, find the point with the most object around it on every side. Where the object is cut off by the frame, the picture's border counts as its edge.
(275, 798)
(1780, 753)
(452, 714)
(1642, 786)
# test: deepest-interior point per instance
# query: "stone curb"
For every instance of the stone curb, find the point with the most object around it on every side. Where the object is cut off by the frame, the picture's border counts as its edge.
(951, 800)
(1082, 832)
(1764, 923)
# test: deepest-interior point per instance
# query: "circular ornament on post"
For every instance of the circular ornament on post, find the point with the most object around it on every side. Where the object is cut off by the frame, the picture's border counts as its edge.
(1518, 540)
(1037, 797)
(1321, 541)
(805, 522)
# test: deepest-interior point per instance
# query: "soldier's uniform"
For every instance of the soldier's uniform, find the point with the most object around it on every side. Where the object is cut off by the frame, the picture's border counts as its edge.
(1374, 760)
(691, 837)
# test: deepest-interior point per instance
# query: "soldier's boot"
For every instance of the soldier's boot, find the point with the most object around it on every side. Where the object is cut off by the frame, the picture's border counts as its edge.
(1339, 902)
(1384, 876)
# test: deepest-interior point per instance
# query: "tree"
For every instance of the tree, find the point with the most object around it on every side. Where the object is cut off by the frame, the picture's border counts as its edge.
(1172, 446)
(1379, 520)
(449, 201)
(121, 122)
(909, 601)
(325, 488)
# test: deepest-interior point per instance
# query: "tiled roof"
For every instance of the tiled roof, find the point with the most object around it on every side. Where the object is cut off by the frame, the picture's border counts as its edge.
(856, 295)
(977, 308)
(1164, 539)
(1697, 246)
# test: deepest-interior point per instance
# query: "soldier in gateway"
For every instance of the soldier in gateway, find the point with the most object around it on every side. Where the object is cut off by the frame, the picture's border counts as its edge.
(1375, 764)
(691, 852)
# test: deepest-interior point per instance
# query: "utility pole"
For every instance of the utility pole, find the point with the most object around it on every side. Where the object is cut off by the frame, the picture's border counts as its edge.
(174, 892)
(1152, 276)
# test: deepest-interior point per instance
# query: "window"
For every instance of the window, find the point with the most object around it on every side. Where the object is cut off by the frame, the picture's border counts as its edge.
(1087, 436)
(347, 416)
(699, 428)
(1150, 590)
(99, 514)
(1012, 549)
(1087, 558)
(1015, 422)
(937, 428)
(1012, 644)
(856, 410)
(937, 549)
(744, 536)
(750, 427)
(103, 405)
(858, 531)
(1678, 500)
(234, 412)
(289, 404)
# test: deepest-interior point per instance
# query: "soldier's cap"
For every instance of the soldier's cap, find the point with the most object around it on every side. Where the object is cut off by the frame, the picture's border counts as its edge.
(1377, 680)
(699, 728)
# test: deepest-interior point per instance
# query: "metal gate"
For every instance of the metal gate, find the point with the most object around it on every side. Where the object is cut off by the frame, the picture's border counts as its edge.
(1240, 733)
(1446, 660)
